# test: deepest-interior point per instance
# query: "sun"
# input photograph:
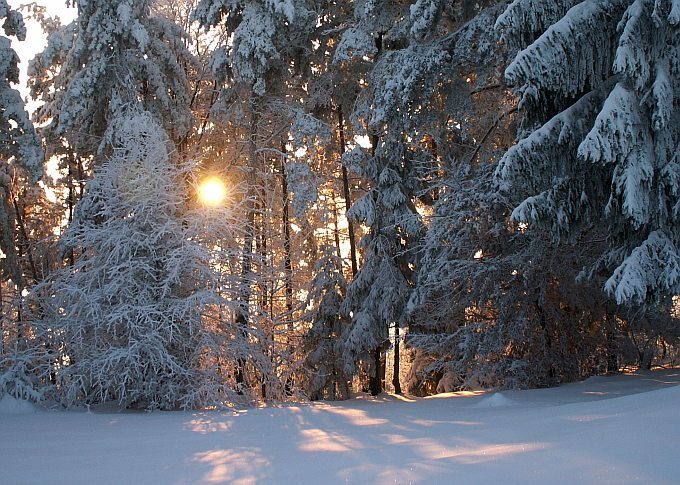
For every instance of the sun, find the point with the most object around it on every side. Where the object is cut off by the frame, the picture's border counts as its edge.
(212, 191)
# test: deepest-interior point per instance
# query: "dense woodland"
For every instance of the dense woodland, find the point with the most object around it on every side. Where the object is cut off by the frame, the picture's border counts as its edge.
(423, 196)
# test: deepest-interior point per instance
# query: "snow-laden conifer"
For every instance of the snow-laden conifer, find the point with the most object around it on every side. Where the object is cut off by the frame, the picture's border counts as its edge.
(497, 305)
(600, 87)
(263, 37)
(20, 146)
(327, 378)
(130, 321)
(115, 52)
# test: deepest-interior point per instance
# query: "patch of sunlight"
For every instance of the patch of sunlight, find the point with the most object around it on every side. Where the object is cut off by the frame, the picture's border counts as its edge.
(448, 395)
(401, 397)
(237, 466)
(471, 455)
(207, 426)
(357, 417)
(319, 440)
(426, 423)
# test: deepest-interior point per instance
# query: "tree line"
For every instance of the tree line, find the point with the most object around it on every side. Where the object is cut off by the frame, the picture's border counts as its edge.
(423, 196)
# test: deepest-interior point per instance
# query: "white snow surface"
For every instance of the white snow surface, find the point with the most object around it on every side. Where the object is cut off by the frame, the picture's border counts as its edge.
(495, 400)
(621, 429)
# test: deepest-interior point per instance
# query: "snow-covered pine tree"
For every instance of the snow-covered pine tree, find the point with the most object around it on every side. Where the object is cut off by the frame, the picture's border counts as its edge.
(377, 296)
(21, 154)
(466, 219)
(409, 109)
(394, 112)
(128, 314)
(495, 306)
(21, 165)
(496, 303)
(265, 36)
(324, 363)
(599, 84)
(116, 51)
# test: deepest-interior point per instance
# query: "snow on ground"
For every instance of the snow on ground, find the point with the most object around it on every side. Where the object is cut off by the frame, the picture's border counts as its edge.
(622, 429)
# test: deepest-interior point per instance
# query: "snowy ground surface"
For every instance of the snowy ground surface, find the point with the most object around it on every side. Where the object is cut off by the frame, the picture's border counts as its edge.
(623, 429)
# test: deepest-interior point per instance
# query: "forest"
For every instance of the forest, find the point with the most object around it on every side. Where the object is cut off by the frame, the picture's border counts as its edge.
(227, 202)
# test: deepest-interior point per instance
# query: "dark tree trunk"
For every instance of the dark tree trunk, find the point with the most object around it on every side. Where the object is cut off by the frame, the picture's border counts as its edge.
(395, 378)
(287, 260)
(242, 316)
(548, 342)
(377, 381)
(336, 231)
(612, 356)
(347, 195)
(25, 240)
(71, 205)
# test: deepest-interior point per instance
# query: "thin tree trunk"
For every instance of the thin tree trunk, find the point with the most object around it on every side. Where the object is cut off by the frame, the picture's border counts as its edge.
(244, 295)
(287, 261)
(261, 249)
(242, 316)
(71, 205)
(395, 376)
(548, 342)
(336, 231)
(376, 384)
(610, 335)
(24, 236)
(347, 195)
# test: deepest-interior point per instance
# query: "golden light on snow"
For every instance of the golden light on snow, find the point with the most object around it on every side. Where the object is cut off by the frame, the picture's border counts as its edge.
(212, 191)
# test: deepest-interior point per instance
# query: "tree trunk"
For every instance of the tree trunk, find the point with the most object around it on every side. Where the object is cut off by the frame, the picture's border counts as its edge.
(610, 335)
(71, 205)
(377, 381)
(612, 358)
(548, 342)
(261, 248)
(242, 316)
(347, 195)
(24, 236)
(395, 377)
(287, 261)
(336, 231)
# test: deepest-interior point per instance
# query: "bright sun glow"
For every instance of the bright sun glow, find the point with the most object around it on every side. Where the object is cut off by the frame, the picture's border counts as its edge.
(212, 191)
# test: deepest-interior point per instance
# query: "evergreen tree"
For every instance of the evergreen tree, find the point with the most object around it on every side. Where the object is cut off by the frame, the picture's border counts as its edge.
(396, 84)
(496, 306)
(261, 71)
(408, 109)
(327, 378)
(599, 84)
(128, 314)
(115, 52)
(21, 155)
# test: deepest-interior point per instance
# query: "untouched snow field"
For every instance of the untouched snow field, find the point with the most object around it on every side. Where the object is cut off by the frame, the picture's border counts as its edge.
(623, 429)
